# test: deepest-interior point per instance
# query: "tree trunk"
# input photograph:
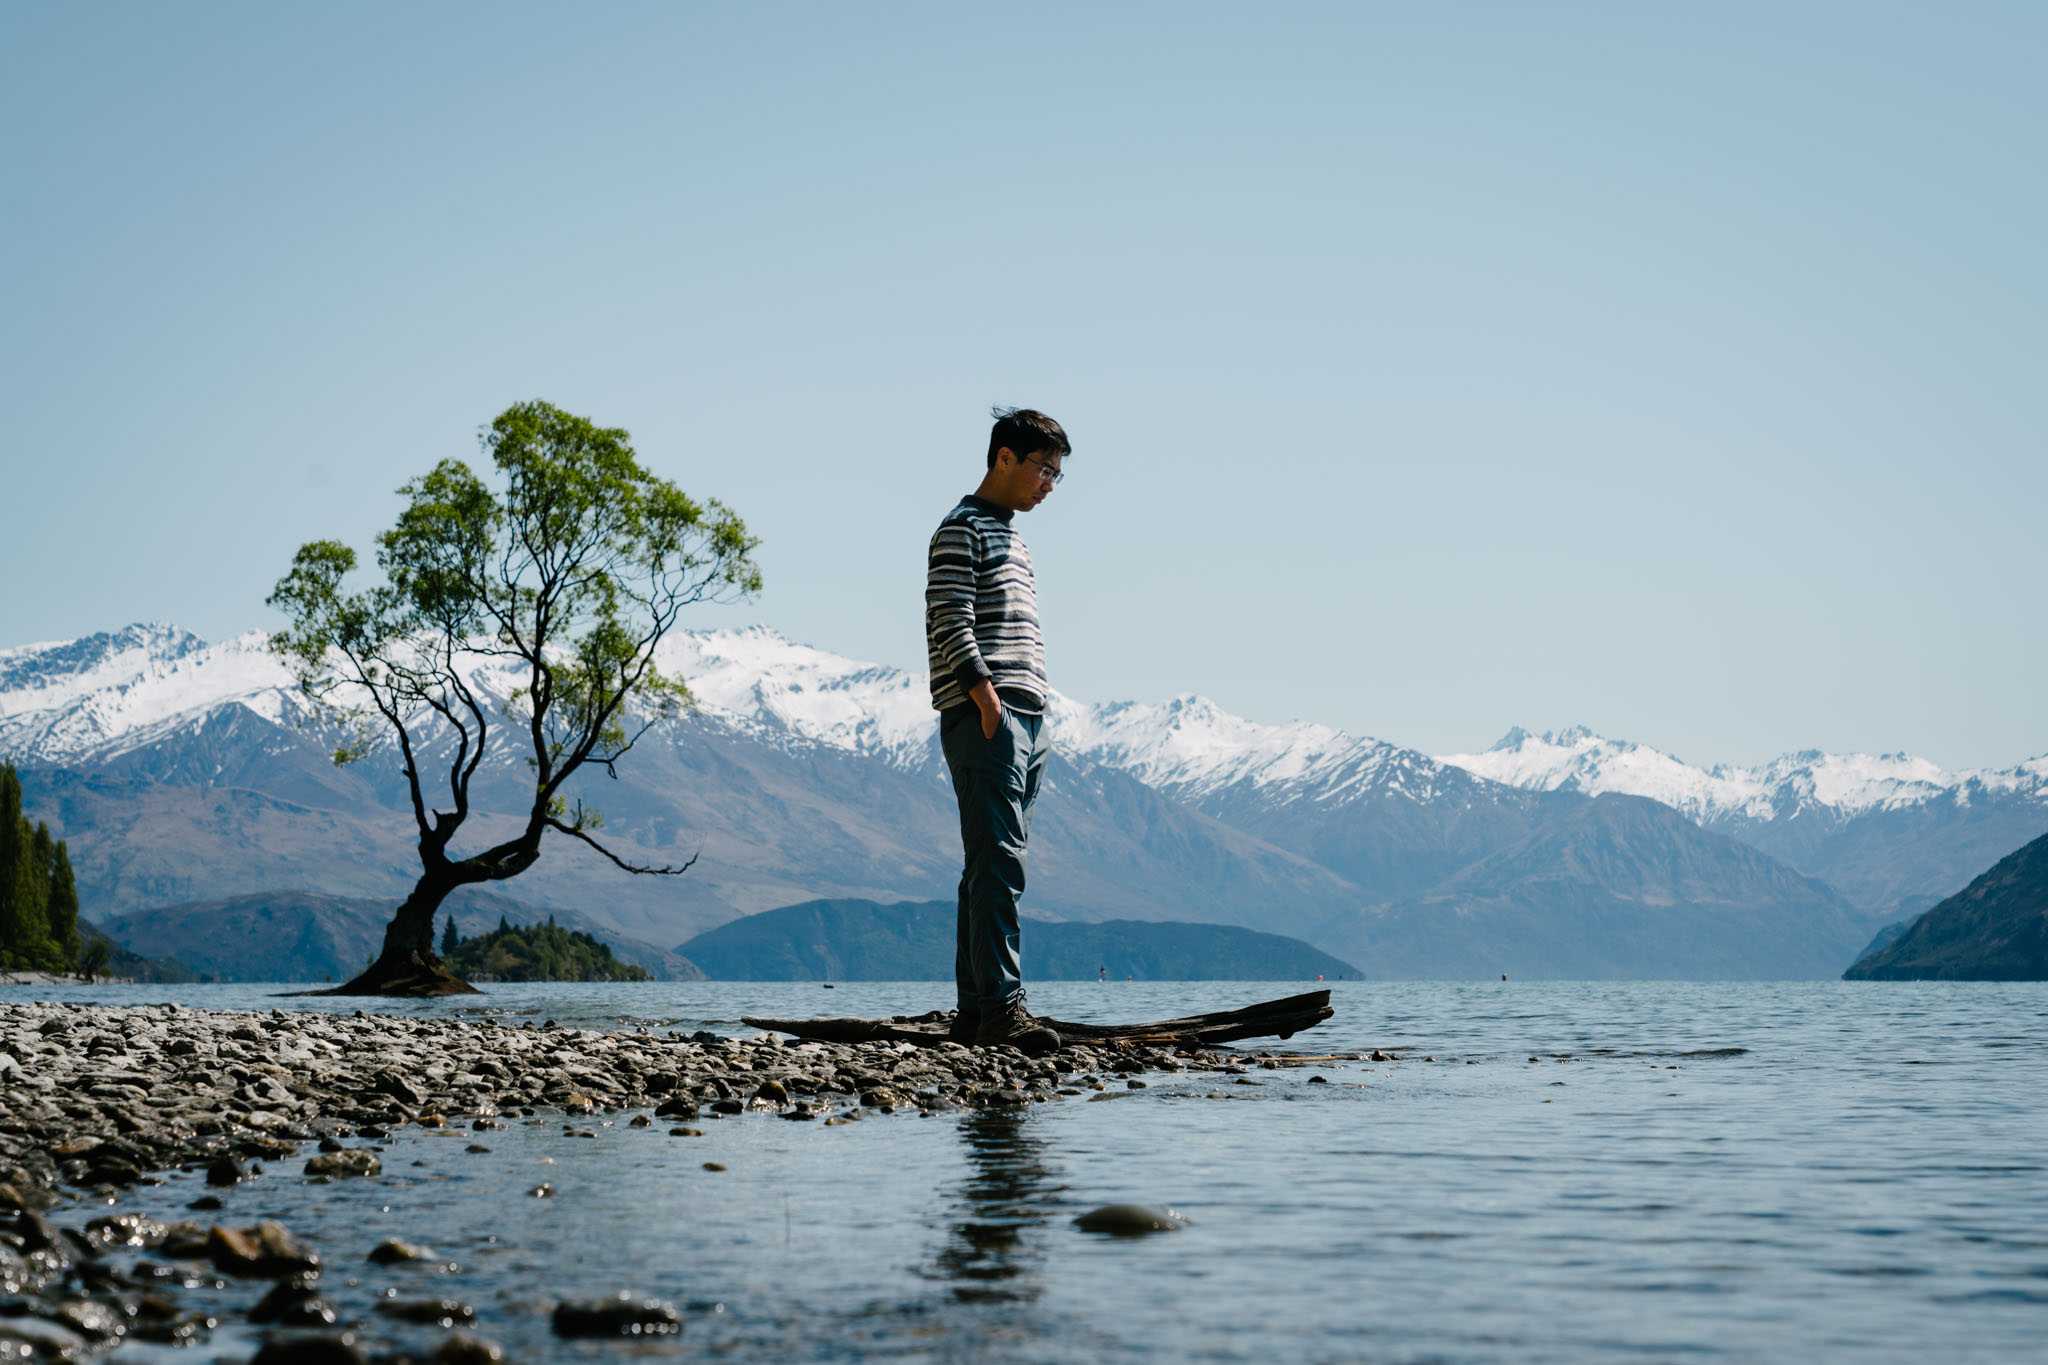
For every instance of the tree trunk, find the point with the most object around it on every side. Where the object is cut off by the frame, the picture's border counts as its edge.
(408, 966)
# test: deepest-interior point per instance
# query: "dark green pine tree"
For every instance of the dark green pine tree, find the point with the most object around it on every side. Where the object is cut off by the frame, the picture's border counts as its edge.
(11, 842)
(31, 899)
(63, 910)
(450, 936)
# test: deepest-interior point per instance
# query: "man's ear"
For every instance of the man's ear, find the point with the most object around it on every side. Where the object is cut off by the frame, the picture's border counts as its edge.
(1001, 451)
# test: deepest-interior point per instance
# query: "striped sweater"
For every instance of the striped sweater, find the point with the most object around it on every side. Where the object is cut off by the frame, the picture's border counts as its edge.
(981, 609)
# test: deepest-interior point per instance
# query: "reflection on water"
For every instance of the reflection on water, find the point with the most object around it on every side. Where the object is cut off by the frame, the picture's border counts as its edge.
(990, 1254)
(1596, 1171)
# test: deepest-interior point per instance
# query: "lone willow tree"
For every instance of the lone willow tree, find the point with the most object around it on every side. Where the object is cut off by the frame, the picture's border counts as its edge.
(564, 572)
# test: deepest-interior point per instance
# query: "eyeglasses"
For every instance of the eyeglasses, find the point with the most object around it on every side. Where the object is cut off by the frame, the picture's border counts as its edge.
(1048, 473)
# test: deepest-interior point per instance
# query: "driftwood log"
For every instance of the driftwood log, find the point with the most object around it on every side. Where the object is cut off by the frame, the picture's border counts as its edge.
(1268, 1019)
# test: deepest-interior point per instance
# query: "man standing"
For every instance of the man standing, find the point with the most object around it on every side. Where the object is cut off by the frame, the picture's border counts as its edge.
(989, 688)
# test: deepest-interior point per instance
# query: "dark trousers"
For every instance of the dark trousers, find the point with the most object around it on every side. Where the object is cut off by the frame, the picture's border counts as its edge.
(996, 782)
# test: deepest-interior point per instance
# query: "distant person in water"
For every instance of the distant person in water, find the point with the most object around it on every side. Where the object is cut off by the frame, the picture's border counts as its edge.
(989, 688)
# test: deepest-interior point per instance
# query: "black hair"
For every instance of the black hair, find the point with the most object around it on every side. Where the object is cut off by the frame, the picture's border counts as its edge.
(1025, 431)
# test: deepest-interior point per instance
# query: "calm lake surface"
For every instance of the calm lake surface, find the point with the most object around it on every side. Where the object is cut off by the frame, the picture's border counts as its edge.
(1808, 1171)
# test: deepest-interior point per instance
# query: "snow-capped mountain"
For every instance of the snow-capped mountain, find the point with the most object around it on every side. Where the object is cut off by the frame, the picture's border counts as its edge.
(1579, 760)
(1194, 749)
(182, 770)
(99, 697)
(1893, 832)
(104, 695)
(1845, 785)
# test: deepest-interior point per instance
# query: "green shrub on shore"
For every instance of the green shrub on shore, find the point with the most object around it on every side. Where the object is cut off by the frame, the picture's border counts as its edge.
(38, 896)
(538, 952)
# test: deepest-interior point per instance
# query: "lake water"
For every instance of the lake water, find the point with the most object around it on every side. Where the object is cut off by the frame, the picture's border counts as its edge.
(1806, 1171)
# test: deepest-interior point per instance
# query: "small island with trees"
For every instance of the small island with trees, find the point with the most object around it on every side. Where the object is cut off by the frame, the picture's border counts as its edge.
(533, 952)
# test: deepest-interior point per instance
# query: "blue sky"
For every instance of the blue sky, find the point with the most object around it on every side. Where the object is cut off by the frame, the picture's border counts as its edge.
(1430, 369)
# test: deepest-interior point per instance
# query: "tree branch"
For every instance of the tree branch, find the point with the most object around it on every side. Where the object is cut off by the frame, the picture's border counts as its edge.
(576, 833)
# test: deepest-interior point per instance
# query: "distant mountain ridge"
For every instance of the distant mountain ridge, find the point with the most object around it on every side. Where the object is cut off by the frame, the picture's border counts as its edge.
(183, 771)
(913, 941)
(1893, 832)
(306, 936)
(1580, 759)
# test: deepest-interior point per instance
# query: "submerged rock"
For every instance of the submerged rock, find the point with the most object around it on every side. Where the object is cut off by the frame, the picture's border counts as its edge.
(464, 1349)
(433, 1312)
(1129, 1220)
(306, 1348)
(353, 1162)
(621, 1316)
(391, 1250)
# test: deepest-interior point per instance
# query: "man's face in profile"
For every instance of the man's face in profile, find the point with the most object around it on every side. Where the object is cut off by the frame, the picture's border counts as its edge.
(1030, 478)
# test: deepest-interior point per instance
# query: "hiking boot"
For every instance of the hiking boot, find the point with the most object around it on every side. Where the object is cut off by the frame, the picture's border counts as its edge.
(965, 1025)
(1012, 1025)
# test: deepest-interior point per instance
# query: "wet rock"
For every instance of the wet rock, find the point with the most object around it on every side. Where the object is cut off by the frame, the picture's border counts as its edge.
(1318, 1080)
(185, 1239)
(293, 1303)
(206, 1203)
(35, 1232)
(166, 1326)
(432, 1312)
(225, 1170)
(477, 1149)
(353, 1162)
(266, 1251)
(772, 1092)
(39, 1339)
(678, 1108)
(392, 1251)
(542, 1191)
(620, 1316)
(15, 1197)
(639, 1121)
(464, 1349)
(306, 1348)
(1129, 1220)
(125, 1230)
(94, 1321)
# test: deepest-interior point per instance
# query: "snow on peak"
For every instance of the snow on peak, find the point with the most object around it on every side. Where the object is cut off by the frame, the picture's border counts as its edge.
(69, 698)
(108, 693)
(1580, 759)
(756, 676)
(1192, 746)
(1851, 783)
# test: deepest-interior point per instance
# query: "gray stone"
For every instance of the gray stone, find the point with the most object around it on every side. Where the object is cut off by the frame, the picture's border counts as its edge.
(353, 1162)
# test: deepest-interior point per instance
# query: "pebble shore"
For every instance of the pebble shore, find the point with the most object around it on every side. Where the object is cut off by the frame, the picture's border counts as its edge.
(96, 1098)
